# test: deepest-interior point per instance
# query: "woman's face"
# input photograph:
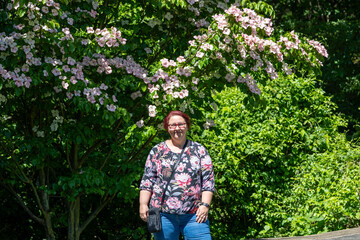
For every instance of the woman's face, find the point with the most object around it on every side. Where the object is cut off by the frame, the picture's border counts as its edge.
(177, 127)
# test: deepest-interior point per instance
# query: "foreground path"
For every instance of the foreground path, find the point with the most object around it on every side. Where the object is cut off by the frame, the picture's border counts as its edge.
(348, 234)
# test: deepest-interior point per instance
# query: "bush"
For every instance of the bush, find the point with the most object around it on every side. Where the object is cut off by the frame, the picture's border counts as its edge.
(282, 167)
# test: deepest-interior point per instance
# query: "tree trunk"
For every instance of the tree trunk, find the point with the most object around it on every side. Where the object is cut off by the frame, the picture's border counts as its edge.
(73, 220)
(46, 207)
(50, 235)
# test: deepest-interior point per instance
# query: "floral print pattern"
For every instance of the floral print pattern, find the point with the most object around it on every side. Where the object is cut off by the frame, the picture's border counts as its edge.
(193, 175)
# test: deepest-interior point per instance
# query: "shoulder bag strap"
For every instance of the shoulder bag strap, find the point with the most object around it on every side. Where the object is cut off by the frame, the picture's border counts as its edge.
(172, 173)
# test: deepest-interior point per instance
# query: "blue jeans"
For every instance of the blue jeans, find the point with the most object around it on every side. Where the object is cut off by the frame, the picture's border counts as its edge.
(173, 225)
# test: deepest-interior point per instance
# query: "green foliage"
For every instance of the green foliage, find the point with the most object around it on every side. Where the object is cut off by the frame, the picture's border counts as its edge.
(326, 190)
(281, 166)
(58, 151)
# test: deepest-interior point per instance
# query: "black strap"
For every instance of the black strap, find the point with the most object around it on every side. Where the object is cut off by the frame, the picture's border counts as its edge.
(172, 174)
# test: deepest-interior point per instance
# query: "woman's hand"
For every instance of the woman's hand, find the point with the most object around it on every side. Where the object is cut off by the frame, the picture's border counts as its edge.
(202, 214)
(144, 212)
(144, 201)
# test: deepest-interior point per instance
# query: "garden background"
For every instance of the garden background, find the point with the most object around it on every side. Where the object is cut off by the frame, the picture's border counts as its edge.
(272, 88)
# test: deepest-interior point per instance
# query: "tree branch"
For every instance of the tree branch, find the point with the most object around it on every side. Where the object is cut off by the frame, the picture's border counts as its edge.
(102, 22)
(95, 213)
(116, 125)
(22, 204)
(107, 157)
(68, 156)
(112, 15)
(143, 146)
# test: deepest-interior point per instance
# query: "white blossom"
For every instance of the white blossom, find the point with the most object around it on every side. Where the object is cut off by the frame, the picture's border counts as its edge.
(140, 123)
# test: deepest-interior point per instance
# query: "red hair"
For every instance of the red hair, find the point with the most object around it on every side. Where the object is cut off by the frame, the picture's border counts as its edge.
(176, 113)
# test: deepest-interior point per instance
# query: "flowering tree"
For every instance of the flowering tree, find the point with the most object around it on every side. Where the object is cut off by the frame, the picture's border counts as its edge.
(85, 86)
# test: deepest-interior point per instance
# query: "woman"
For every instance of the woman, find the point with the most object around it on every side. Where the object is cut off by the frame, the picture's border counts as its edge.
(188, 197)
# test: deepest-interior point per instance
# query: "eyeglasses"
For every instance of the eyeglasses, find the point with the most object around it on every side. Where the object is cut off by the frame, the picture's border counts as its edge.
(180, 125)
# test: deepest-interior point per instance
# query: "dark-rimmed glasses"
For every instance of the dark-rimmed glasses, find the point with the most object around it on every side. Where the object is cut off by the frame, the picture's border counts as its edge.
(180, 125)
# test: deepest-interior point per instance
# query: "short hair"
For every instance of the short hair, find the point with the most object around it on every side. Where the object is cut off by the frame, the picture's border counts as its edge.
(176, 113)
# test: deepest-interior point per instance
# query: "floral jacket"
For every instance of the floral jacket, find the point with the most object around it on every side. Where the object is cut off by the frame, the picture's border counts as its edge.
(193, 175)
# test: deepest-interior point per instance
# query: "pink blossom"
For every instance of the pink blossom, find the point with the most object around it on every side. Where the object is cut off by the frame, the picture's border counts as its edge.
(45, 73)
(187, 71)
(19, 26)
(226, 31)
(90, 30)
(164, 63)
(66, 68)
(195, 80)
(71, 61)
(221, 21)
(54, 12)
(73, 80)
(241, 79)
(123, 41)
(91, 99)
(97, 31)
(95, 4)
(65, 85)
(140, 123)
(28, 55)
(63, 16)
(14, 49)
(199, 54)
(202, 23)
(153, 88)
(103, 86)
(227, 39)
(109, 43)
(101, 42)
(184, 93)
(175, 94)
(36, 61)
(69, 95)
(229, 77)
(66, 31)
(100, 69)
(114, 98)
(28, 80)
(108, 70)
(57, 90)
(56, 72)
(192, 43)
(96, 91)
(93, 13)
(111, 107)
(286, 69)
(70, 21)
(135, 95)
(319, 48)
(181, 59)
(152, 110)
(36, 28)
(18, 81)
(25, 68)
(172, 63)
(77, 93)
